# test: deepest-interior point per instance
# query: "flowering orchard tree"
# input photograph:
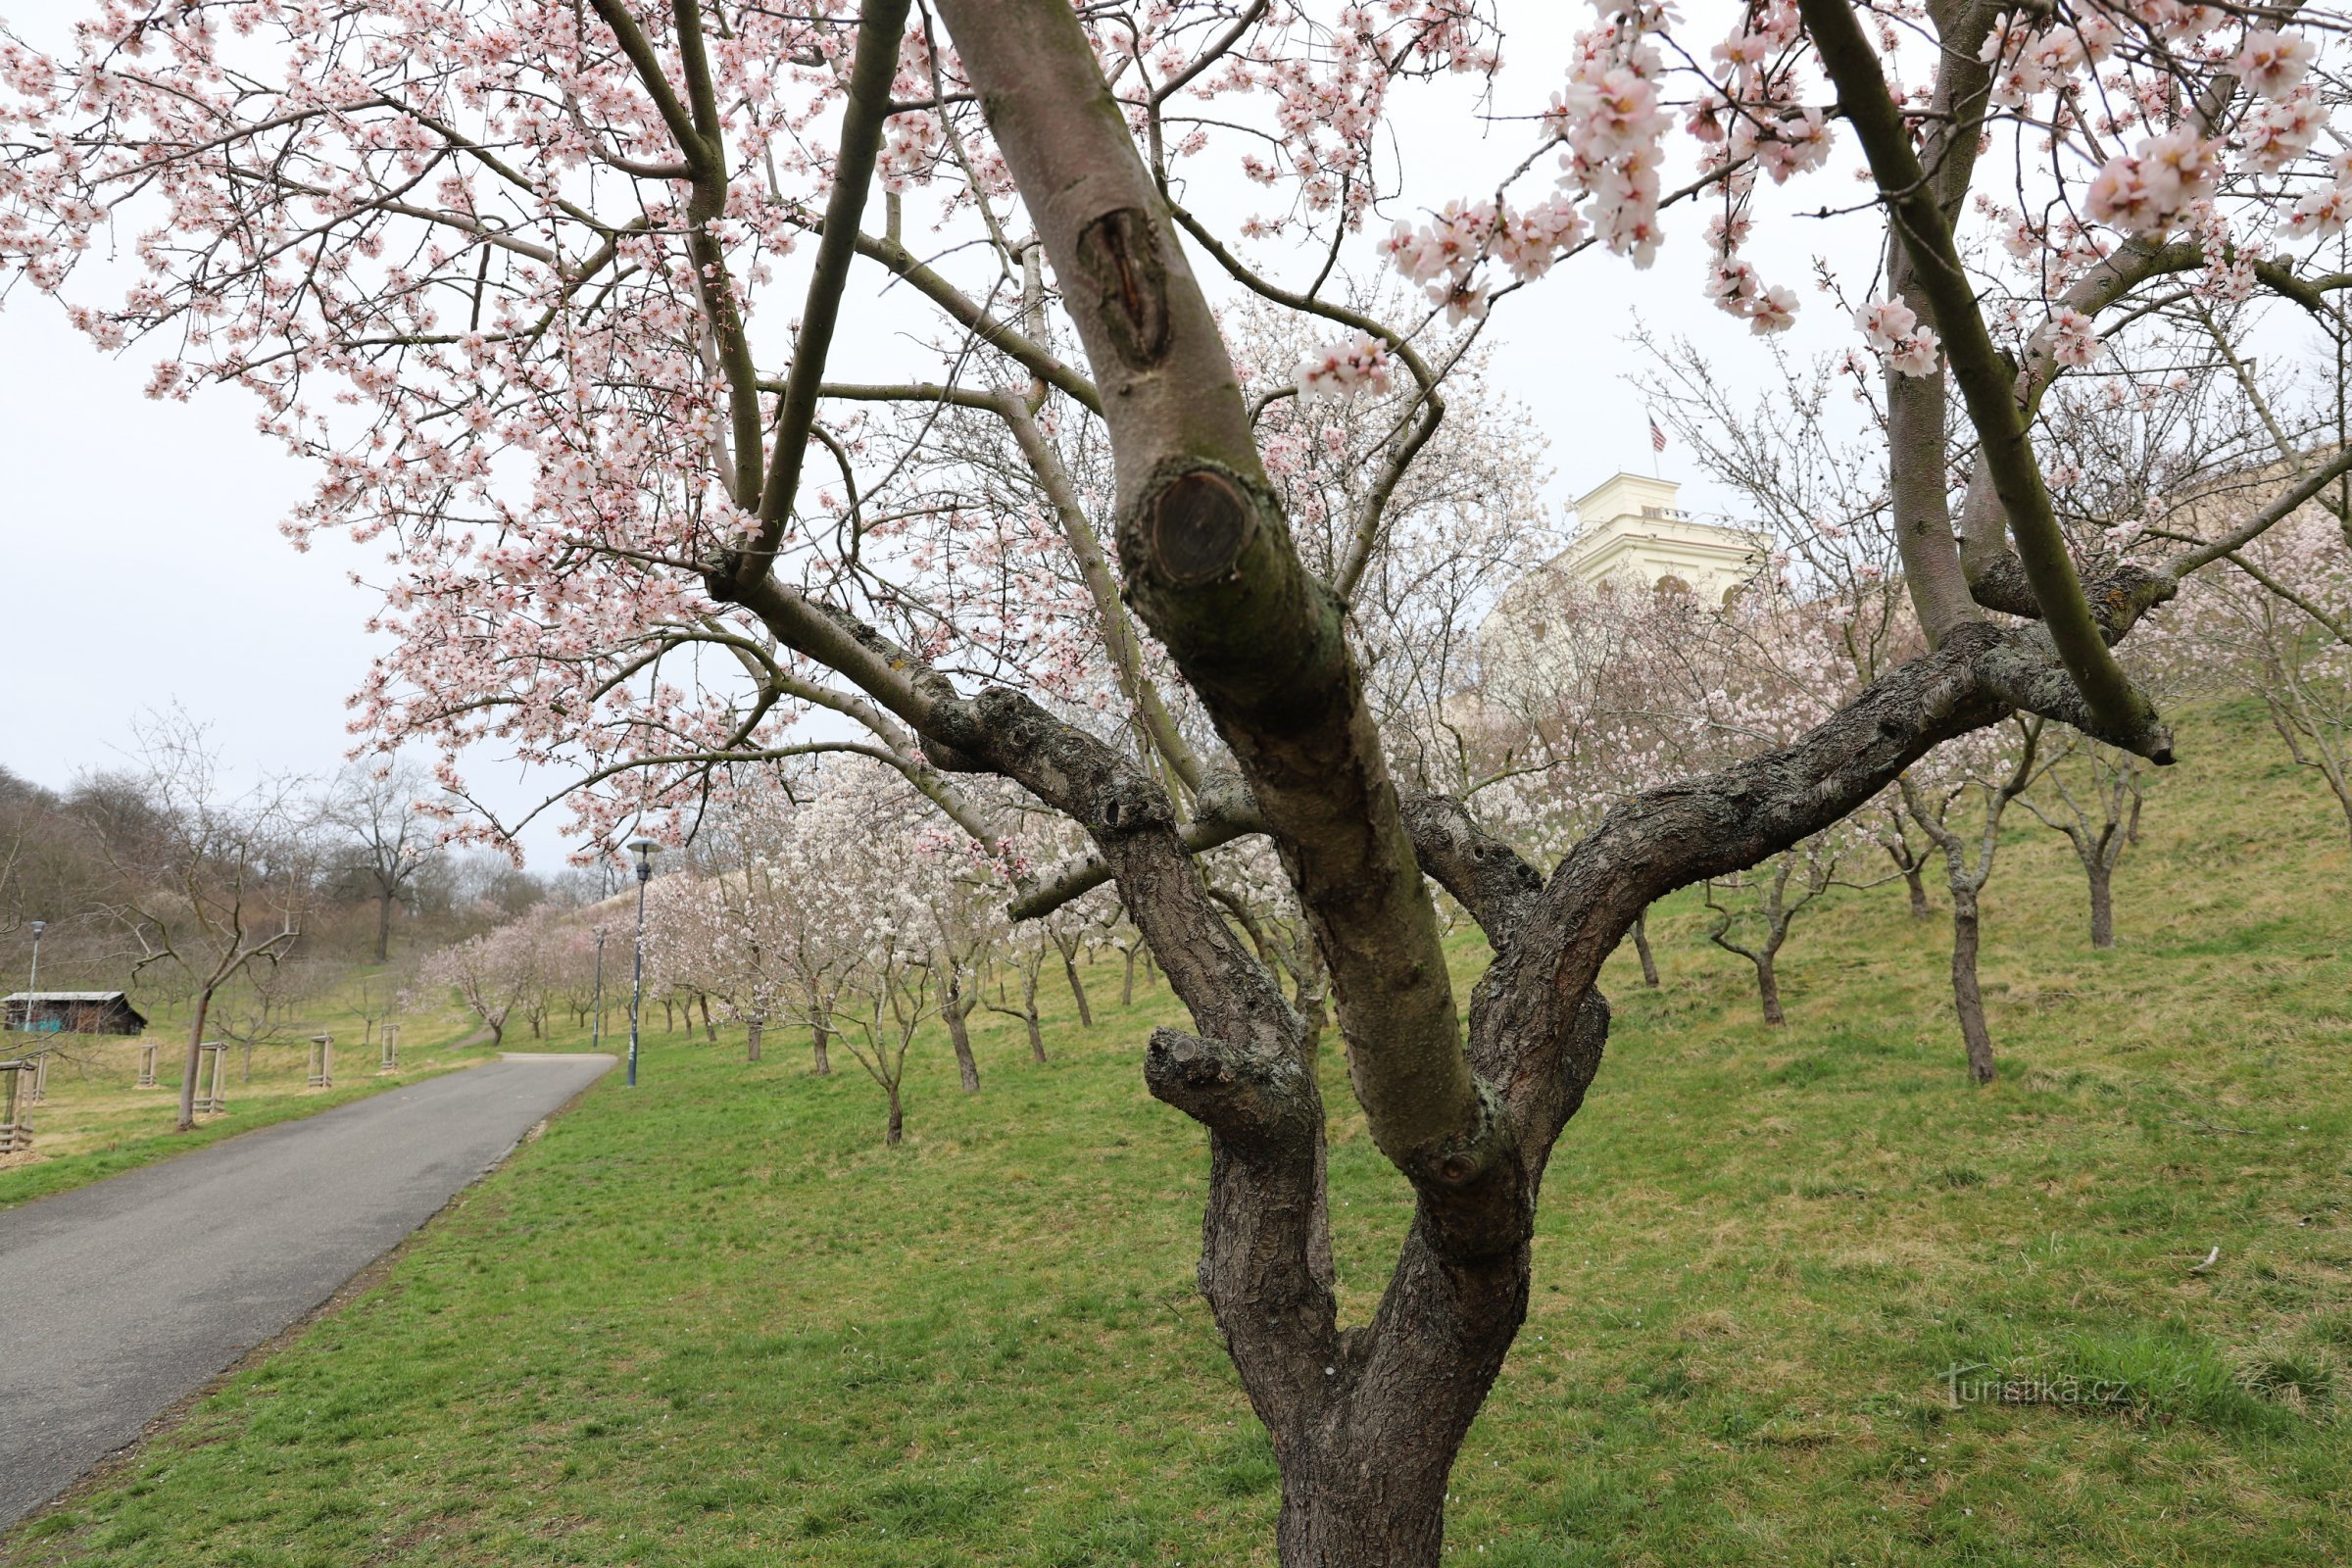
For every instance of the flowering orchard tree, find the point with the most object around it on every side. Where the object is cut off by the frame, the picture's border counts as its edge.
(723, 933)
(492, 973)
(552, 292)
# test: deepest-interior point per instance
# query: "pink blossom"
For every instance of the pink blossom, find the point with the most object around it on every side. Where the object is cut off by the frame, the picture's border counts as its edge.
(2274, 64)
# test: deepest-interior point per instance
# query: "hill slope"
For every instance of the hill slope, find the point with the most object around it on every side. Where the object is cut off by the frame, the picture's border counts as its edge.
(713, 1321)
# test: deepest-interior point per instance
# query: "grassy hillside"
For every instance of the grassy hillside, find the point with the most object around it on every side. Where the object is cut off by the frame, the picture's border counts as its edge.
(713, 1322)
(95, 1123)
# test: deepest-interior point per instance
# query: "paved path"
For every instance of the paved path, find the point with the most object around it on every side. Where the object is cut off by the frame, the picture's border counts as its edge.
(120, 1299)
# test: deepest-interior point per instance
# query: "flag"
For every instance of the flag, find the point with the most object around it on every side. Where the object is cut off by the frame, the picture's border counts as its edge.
(1657, 437)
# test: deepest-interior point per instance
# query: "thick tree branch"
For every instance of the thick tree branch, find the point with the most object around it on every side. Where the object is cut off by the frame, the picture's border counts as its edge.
(880, 26)
(1986, 382)
(1211, 568)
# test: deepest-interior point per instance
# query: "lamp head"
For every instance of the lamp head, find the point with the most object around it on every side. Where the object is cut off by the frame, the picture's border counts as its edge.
(645, 850)
(39, 927)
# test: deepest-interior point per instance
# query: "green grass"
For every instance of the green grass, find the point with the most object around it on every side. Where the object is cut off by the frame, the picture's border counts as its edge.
(95, 1123)
(713, 1322)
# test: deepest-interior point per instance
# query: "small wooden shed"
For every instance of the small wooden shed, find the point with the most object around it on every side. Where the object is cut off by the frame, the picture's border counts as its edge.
(72, 1013)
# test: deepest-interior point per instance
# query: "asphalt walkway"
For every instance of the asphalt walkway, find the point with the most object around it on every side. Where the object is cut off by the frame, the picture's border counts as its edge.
(120, 1299)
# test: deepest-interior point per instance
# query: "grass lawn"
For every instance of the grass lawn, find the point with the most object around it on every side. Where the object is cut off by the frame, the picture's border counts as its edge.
(713, 1322)
(96, 1124)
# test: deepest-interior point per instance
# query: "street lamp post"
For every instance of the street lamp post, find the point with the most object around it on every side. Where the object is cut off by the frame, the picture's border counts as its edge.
(596, 1032)
(32, 982)
(645, 850)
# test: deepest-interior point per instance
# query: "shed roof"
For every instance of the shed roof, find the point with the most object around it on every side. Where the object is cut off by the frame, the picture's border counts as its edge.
(63, 996)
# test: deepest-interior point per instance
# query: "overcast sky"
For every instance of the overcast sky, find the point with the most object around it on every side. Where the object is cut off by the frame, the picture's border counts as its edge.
(142, 564)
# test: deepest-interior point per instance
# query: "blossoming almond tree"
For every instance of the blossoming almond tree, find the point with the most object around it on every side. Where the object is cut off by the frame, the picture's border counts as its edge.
(553, 293)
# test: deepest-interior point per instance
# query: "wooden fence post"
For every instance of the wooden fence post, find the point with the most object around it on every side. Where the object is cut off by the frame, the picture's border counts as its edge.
(16, 1133)
(391, 1061)
(323, 1062)
(146, 1067)
(212, 1078)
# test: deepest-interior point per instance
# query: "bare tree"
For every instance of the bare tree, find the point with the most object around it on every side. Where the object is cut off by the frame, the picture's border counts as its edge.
(211, 885)
(1981, 776)
(386, 839)
(1780, 890)
(2099, 791)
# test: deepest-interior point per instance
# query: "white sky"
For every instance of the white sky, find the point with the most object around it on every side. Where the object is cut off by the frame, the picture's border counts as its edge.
(142, 564)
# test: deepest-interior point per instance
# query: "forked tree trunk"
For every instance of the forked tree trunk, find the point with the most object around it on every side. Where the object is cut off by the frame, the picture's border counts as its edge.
(1367, 1424)
(709, 1029)
(1921, 909)
(955, 1013)
(1649, 963)
(2102, 903)
(1967, 999)
(751, 1040)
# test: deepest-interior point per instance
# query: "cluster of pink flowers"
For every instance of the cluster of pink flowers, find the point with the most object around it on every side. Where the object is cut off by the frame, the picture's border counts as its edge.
(1734, 287)
(1615, 128)
(2151, 191)
(1893, 328)
(2037, 54)
(1357, 361)
(2274, 64)
(2073, 339)
(1446, 253)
